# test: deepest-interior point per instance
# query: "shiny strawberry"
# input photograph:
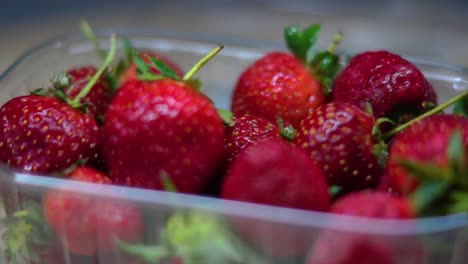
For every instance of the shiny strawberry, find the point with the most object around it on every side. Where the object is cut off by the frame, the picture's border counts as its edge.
(335, 247)
(246, 130)
(89, 225)
(287, 85)
(393, 86)
(426, 141)
(339, 138)
(274, 172)
(44, 133)
(164, 126)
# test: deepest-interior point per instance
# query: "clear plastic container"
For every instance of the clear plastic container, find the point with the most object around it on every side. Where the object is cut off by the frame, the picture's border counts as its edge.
(271, 232)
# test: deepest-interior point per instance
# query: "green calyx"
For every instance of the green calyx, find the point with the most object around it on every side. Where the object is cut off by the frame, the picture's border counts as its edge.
(441, 190)
(323, 64)
(287, 132)
(227, 117)
(461, 107)
(194, 237)
(25, 228)
(144, 72)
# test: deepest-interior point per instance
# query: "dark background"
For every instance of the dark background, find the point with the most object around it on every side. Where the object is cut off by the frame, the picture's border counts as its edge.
(435, 30)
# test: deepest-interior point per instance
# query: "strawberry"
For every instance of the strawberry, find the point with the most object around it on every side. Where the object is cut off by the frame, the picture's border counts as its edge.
(348, 248)
(393, 86)
(100, 94)
(423, 141)
(88, 225)
(163, 125)
(246, 130)
(373, 204)
(339, 138)
(274, 172)
(427, 162)
(41, 133)
(284, 84)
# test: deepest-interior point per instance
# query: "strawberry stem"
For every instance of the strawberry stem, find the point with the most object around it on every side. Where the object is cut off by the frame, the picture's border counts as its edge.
(202, 62)
(335, 42)
(107, 61)
(87, 30)
(435, 110)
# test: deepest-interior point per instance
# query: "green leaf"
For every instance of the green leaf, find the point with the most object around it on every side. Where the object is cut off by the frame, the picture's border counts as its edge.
(461, 107)
(325, 66)
(25, 228)
(310, 36)
(301, 44)
(368, 109)
(287, 132)
(226, 116)
(128, 51)
(380, 152)
(426, 194)
(335, 190)
(459, 203)
(40, 92)
(143, 71)
(457, 157)
(164, 69)
(425, 171)
(149, 254)
(428, 106)
(294, 41)
(167, 183)
(196, 85)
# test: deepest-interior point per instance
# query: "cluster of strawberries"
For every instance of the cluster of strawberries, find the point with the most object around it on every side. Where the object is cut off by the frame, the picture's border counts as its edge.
(367, 139)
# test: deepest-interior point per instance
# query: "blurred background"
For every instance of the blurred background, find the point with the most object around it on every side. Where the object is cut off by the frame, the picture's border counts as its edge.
(427, 29)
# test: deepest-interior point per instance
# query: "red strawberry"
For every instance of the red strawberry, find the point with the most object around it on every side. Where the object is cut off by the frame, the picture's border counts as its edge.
(373, 204)
(274, 172)
(43, 134)
(162, 126)
(86, 224)
(393, 86)
(98, 97)
(338, 136)
(286, 85)
(424, 141)
(246, 130)
(348, 248)
(131, 72)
